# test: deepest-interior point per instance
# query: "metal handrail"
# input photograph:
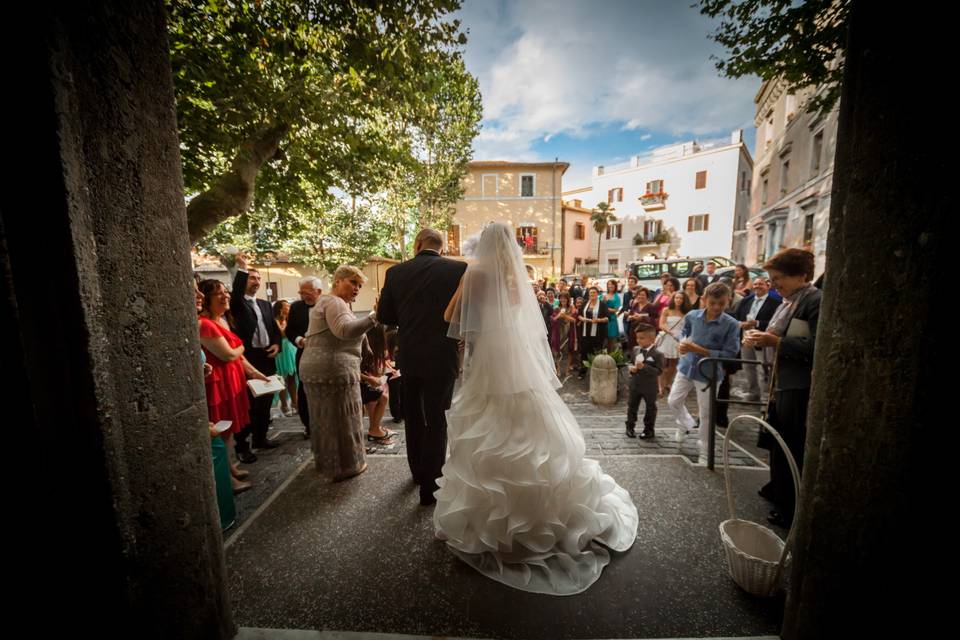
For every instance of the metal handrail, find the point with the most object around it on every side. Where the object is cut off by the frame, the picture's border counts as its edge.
(712, 434)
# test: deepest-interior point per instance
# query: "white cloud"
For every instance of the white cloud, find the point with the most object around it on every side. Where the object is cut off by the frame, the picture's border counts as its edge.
(547, 68)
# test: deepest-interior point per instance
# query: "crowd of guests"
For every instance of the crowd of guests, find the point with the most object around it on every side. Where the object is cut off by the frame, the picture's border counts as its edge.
(305, 344)
(665, 332)
(335, 366)
(584, 318)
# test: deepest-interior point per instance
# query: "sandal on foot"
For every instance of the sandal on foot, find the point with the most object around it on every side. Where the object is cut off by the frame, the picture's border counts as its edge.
(386, 436)
(352, 474)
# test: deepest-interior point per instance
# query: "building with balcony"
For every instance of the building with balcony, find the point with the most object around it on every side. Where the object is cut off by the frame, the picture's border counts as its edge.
(679, 200)
(523, 195)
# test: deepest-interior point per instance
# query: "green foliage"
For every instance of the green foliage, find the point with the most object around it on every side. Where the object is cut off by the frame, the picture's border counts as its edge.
(602, 217)
(328, 234)
(422, 193)
(369, 90)
(800, 42)
(616, 354)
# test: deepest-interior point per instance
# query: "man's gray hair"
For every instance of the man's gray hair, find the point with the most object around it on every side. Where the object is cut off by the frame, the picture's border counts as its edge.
(314, 280)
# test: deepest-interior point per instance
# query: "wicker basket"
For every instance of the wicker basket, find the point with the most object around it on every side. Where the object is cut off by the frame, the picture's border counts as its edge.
(756, 556)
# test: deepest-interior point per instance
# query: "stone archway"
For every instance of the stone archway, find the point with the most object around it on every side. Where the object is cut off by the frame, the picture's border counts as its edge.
(119, 533)
(110, 400)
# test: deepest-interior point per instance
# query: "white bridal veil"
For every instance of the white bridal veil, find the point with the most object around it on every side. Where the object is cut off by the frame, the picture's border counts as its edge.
(499, 320)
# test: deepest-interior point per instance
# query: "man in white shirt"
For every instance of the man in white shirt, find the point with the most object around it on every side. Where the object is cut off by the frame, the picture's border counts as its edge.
(254, 324)
(755, 312)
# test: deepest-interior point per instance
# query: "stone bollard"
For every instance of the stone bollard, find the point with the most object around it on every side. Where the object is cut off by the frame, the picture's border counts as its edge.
(603, 380)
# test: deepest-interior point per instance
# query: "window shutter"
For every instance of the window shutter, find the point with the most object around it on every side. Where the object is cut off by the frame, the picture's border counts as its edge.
(701, 179)
(706, 222)
(690, 224)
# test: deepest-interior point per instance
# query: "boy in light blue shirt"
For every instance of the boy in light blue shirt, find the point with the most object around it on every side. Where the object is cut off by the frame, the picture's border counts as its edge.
(708, 332)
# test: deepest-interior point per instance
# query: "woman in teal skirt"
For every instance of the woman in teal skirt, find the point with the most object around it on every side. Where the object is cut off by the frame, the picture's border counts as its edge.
(286, 360)
(613, 304)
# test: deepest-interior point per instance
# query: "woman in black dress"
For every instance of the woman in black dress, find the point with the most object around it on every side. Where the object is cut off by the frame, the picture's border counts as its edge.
(789, 342)
(592, 333)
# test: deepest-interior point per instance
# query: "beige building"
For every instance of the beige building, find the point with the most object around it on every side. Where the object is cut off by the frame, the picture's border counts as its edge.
(523, 195)
(792, 179)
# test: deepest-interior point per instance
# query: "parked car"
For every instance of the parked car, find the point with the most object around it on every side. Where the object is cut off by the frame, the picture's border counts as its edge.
(648, 272)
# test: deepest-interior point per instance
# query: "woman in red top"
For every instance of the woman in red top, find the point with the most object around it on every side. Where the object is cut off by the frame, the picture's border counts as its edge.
(227, 385)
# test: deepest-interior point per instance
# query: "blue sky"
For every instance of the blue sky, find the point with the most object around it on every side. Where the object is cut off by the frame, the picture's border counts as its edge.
(598, 82)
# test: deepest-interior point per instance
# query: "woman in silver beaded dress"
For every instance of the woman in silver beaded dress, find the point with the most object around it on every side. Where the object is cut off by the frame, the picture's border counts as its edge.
(330, 372)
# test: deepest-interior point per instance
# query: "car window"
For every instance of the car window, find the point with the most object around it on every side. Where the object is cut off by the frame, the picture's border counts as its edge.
(648, 271)
(681, 269)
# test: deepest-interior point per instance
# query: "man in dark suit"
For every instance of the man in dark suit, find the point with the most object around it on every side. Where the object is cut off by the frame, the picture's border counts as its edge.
(708, 278)
(754, 312)
(261, 343)
(297, 323)
(579, 290)
(414, 297)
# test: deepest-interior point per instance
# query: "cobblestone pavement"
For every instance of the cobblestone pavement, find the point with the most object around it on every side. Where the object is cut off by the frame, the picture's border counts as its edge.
(602, 427)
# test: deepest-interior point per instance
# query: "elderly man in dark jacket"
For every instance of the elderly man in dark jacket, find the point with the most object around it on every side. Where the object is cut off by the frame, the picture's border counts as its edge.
(297, 323)
(754, 313)
(414, 297)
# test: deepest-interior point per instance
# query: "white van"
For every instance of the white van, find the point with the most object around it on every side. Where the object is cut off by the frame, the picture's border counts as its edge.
(648, 272)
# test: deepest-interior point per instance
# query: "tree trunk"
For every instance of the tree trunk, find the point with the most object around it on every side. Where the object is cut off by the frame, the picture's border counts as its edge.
(867, 522)
(233, 192)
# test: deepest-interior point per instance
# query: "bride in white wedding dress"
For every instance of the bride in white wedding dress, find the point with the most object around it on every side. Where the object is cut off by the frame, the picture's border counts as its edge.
(518, 501)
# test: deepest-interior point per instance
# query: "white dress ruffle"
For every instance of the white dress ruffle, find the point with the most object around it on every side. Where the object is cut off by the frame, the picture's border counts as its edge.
(518, 501)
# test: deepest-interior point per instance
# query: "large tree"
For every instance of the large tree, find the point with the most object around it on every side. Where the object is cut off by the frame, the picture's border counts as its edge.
(800, 43)
(280, 99)
(422, 193)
